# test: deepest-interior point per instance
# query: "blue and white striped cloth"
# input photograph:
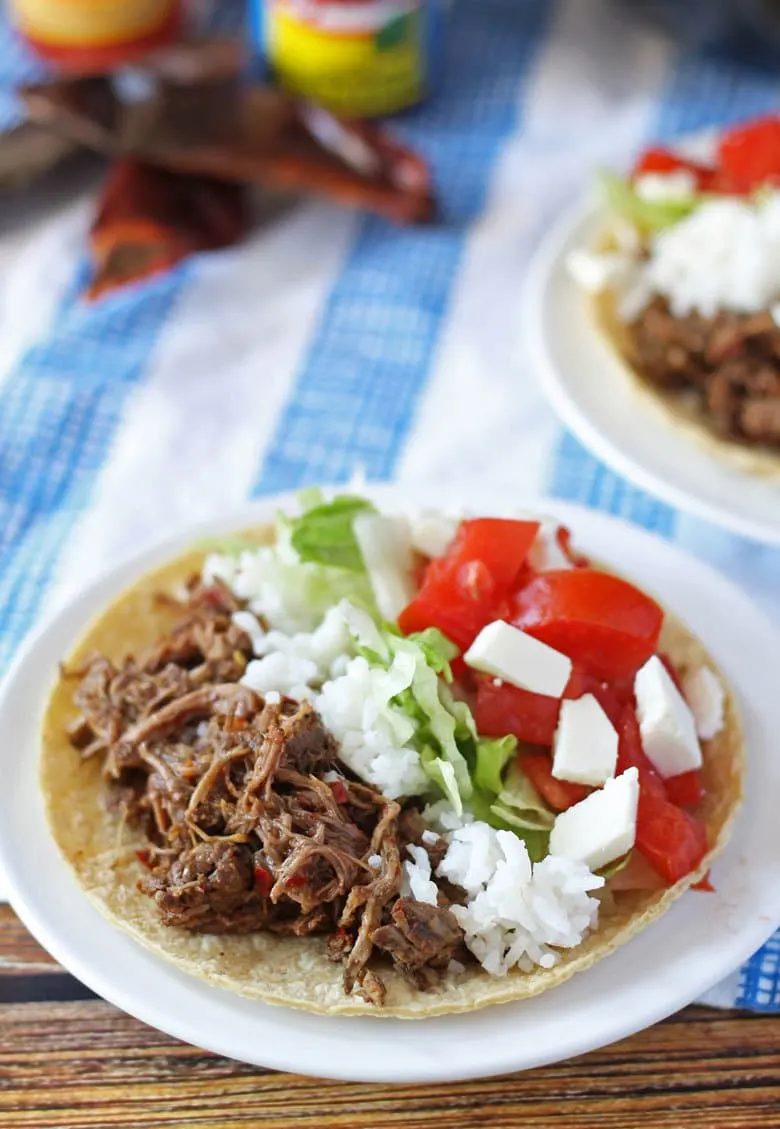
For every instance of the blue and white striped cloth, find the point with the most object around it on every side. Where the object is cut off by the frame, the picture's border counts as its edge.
(331, 342)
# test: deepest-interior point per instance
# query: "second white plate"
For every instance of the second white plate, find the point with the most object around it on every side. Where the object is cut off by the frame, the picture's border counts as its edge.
(587, 385)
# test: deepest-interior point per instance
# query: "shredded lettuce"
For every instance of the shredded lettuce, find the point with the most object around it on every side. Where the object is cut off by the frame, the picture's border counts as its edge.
(647, 215)
(485, 808)
(438, 650)
(323, 533)
(505, 798)
(492, 756)
(519, 796)
(292, 587)
(415, 699)
(436, 724)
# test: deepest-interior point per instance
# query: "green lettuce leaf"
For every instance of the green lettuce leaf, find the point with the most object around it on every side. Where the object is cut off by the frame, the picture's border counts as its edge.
(647, 215)
(424, 714)
(503, 818)
(441, 773)
(438, 650)
(492, 756)
(323, 533)
(519, 797)
(436, 723)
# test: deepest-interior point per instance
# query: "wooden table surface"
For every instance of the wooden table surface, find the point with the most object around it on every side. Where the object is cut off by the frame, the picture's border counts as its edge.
(69, 1059)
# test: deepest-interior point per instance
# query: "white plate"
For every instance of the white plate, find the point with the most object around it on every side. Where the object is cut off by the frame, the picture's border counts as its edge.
(702, 939)
(586, 383)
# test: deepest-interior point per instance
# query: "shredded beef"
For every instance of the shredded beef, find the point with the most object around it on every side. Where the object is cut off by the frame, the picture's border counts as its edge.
(248, 827)
(730, 362)
(420, 935)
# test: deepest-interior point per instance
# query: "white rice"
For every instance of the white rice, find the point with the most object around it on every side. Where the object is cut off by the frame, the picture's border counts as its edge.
(295, 665)
(443, 818)
(519, 913)
(725, 255)
(277, 585)
(374, 735)
(255, 575)
(417, 880)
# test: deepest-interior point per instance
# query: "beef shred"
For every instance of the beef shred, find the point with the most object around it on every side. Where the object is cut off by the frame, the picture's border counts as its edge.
(253, 822)
(730, 362)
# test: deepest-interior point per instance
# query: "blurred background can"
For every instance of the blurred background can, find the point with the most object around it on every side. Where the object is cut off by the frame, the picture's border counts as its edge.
(358, 58)
(92, 35)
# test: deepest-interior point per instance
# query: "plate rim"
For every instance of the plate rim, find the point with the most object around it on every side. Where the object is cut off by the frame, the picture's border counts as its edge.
(586, 211)
(99, 590)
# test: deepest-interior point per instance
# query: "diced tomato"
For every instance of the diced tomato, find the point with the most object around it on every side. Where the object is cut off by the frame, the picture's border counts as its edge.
(461, 590)
(145, 858)
(685, 790)
(612, 696)
(749, 155)
(672, 840)
(501, 544)
(604, 623)
(704, 884)
(504, 709)
(501, 709)
(632, 755)
(264, 880)
(558, 794)
(660, 160)
(340, 793)
(671, 670)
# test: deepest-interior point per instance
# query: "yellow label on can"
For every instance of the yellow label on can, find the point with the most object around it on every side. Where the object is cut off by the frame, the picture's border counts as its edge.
(356, 59)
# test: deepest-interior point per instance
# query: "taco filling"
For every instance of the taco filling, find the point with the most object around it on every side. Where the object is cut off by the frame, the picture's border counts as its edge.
(688, 279)
(427, 745)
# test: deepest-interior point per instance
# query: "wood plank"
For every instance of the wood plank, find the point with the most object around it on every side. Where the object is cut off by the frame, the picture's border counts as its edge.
(17, 948)
(72, 1066)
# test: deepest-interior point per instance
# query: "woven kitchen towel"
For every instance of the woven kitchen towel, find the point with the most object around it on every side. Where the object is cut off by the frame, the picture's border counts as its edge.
(333, 341)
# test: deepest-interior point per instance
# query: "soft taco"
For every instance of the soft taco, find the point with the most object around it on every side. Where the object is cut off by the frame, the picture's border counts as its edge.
(686, 285)
(361, 764)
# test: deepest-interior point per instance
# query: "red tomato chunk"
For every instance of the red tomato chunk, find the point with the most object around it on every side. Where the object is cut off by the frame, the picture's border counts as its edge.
(461, 590)
(672, 840)
(664, 161)
(604, 623)
(557, 794)
(749, 156)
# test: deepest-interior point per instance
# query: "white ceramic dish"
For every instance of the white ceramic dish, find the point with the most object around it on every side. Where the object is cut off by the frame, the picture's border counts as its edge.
(703, 938)
(587, 385)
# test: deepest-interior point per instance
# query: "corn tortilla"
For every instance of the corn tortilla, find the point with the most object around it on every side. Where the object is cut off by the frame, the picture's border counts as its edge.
(292, 971)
